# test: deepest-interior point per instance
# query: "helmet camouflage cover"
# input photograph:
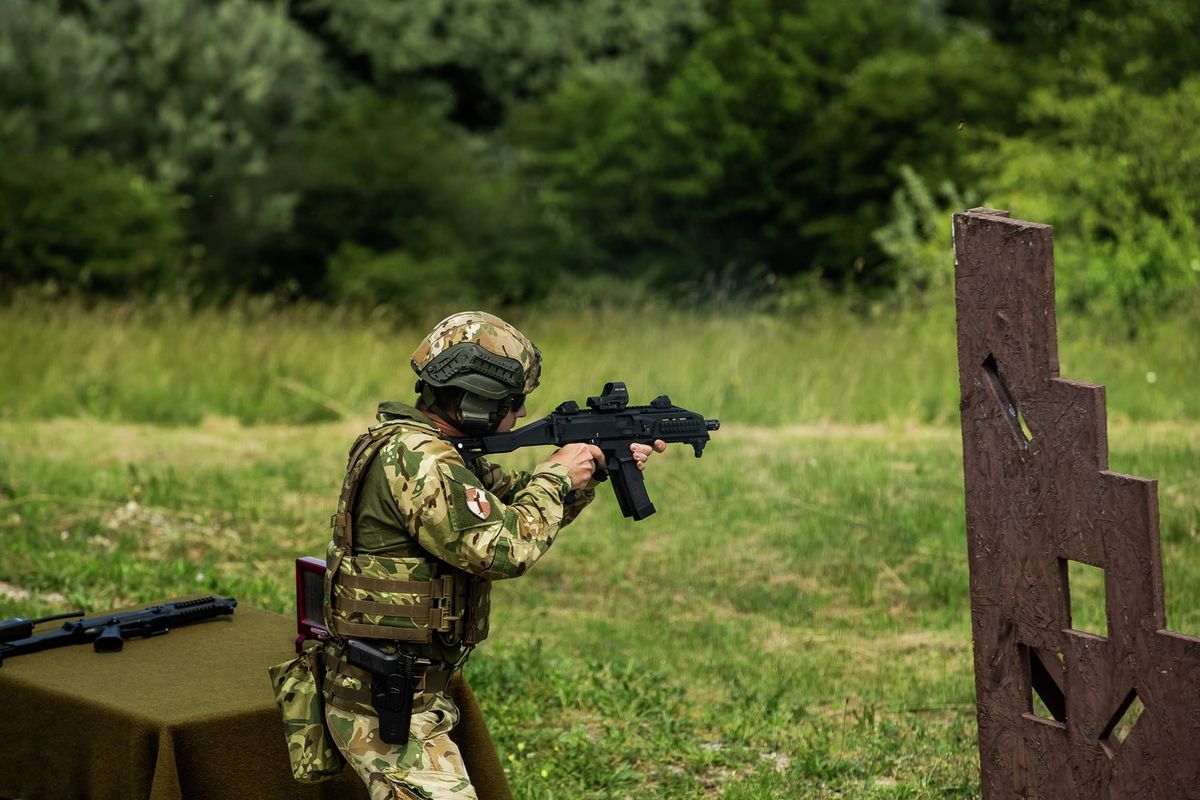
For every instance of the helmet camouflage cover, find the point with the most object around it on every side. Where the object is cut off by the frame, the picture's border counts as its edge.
(479, 352)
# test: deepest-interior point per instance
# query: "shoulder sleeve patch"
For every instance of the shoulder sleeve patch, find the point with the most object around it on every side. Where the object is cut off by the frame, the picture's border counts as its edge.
(470, 503)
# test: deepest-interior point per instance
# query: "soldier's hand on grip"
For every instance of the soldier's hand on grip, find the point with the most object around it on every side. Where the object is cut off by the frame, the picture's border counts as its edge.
(581, 461)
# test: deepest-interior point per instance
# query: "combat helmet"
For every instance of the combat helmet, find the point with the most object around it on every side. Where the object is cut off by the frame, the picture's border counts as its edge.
(493, 363)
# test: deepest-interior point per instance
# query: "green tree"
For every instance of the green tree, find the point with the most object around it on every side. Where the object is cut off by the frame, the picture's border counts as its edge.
(1112, 173)
(488, 53)
(55, 74)
(1145, 44)
(199, 97)
(398, 205)
(773, 146)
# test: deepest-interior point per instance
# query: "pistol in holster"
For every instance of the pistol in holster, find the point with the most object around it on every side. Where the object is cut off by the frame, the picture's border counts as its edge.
(395, 680)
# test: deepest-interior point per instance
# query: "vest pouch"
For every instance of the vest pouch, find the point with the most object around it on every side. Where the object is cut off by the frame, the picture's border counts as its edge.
(297, 682)
(381, 597)
(477, 607)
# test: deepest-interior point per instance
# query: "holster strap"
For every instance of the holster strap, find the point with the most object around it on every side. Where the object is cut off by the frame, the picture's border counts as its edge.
(345, 697)
(435, 679)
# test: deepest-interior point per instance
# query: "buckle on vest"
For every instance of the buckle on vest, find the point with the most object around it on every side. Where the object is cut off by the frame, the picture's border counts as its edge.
(442, 603)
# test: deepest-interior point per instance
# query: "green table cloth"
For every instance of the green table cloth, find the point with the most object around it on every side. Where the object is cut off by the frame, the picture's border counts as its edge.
(186, 715)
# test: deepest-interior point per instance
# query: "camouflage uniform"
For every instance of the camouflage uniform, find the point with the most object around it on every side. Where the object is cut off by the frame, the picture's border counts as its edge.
(422, 510)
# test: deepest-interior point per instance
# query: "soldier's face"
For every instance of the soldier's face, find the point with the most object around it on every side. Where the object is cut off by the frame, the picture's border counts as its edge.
(510, 419)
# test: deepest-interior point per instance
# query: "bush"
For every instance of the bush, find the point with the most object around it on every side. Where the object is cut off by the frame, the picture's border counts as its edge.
(87, 224)
(395, 278)
(917, 239)
(398, 203)
(1122, 188)
(199, 97)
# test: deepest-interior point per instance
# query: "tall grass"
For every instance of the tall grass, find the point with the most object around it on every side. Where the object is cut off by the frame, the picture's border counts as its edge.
(262, 363)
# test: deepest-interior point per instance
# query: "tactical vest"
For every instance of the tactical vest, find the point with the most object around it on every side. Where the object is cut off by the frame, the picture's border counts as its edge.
(398, 599)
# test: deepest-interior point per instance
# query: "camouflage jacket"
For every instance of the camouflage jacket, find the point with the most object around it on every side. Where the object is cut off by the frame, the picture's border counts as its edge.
(420, 500)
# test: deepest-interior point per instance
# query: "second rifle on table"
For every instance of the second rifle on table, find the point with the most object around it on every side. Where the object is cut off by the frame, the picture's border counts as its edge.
(108, 633)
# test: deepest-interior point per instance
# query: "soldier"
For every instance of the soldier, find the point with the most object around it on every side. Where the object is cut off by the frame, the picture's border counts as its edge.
(419, 535)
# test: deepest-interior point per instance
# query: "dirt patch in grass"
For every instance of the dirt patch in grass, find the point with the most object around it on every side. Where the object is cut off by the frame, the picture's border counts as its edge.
(10, 592)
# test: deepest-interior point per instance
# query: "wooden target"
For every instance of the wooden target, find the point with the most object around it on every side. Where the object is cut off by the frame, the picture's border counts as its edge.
(1107, 712)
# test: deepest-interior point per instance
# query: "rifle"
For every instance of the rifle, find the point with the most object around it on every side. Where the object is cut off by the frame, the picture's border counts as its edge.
(108, 633)
(612, 425)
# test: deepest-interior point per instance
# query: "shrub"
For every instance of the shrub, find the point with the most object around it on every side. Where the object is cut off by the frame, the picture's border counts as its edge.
(361, 276)
(87, 224)
(917, 239)
(1121, 186)
(391, 195)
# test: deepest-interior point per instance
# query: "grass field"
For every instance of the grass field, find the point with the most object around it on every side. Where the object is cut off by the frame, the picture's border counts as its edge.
(794, 622)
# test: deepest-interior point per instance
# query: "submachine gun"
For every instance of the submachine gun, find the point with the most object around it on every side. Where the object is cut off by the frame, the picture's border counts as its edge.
(107, 634)
(612, 425)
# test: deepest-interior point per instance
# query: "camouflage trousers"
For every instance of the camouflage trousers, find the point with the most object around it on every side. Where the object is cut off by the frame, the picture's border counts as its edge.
(430, 767)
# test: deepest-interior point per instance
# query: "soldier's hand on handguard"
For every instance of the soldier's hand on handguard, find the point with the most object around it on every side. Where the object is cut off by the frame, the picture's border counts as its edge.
(581, 461)
(641, 452)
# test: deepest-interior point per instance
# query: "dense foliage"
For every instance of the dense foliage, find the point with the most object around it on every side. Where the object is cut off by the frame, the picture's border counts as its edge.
(410, 153)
